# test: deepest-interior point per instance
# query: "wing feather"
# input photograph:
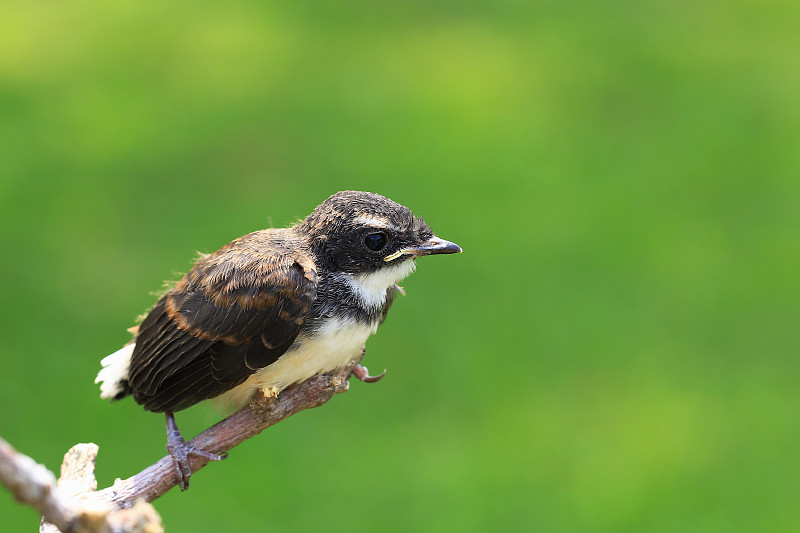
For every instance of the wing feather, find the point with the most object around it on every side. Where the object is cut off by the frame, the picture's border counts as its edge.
(236, 311)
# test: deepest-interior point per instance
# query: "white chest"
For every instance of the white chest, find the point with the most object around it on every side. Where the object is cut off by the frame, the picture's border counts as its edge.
(331, 347)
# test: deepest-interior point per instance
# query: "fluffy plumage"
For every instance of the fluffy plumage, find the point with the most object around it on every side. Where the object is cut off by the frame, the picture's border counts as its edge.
(273, 307)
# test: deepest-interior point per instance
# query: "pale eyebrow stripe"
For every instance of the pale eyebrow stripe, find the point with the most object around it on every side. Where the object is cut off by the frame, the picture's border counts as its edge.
(376, 222)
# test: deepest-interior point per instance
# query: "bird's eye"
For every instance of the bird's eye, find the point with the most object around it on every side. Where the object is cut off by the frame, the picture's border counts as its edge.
(375, 241)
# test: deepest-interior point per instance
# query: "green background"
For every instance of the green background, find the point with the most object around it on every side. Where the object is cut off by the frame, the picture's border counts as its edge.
(616, 349)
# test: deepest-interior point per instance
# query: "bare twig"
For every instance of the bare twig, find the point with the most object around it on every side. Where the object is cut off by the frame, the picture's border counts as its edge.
(33, 484)
(73, 506)
(261, 413)
(64, 506)
(87, 514)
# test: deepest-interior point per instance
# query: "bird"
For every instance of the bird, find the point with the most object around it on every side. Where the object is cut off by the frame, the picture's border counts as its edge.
(269, 309)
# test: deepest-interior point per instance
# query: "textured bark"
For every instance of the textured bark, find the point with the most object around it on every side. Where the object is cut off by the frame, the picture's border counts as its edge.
(73, 505)
(263, 412)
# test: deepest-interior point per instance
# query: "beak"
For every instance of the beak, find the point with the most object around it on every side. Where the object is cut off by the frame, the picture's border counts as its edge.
(432, 246)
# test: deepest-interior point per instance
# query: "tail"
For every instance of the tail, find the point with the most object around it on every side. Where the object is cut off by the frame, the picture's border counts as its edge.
(113, 377)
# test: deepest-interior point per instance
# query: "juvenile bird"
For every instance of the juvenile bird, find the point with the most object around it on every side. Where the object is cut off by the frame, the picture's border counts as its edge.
(269, 309)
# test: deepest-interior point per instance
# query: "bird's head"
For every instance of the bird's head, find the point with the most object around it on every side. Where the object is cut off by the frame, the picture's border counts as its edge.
(361, 232)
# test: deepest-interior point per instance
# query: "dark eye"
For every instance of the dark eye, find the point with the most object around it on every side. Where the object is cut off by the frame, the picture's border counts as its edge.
(375, 241)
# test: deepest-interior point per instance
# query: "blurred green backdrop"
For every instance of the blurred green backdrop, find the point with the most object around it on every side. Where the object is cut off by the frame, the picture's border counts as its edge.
(616, 350)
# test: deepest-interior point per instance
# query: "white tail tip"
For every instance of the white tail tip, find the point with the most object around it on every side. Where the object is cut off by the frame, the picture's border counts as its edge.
(114, 372)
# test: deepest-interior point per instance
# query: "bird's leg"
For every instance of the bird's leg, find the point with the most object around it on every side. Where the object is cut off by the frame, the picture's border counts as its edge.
(362, 373)
(179, 450)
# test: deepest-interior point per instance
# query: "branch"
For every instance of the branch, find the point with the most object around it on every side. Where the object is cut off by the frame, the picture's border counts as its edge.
(263, 412)
(73, 506)
(63, 505)
(33, 484)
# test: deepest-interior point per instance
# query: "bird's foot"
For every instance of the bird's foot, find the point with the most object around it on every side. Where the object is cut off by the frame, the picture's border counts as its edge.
(362, 373)
(179, 450)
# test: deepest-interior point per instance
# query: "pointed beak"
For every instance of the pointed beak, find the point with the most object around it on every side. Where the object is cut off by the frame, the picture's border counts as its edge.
(435, 245)
(432, 246)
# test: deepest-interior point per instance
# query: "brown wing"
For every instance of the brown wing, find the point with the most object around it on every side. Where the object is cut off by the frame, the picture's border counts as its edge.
(236, 311)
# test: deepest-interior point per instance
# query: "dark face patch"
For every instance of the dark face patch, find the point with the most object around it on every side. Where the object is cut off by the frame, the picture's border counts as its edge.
(354, 231)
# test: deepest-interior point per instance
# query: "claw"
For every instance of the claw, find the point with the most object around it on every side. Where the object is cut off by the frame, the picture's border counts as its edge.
(362, 373)
(180, 450)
